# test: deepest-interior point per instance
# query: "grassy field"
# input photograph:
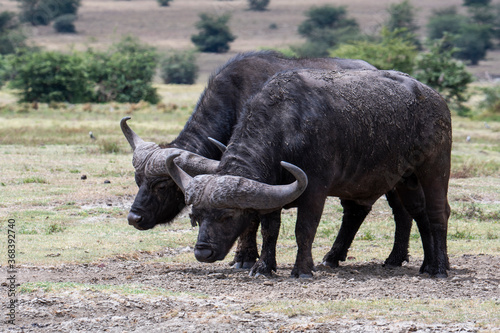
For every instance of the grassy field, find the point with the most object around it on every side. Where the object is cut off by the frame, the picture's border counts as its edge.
(63, 219)
(46, 151)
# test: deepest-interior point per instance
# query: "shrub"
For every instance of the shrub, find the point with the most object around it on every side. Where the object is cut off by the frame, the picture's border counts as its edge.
(124, 73)
(491, 102)
(11, 37)
(65, 23)
(214, 34)
(45, 76)
(180, 67)
(472, 38)
(438, 69)
(402, 18)
(164, 3)
(42, 12)
(393, 51)
(258, 4)
(326, 27)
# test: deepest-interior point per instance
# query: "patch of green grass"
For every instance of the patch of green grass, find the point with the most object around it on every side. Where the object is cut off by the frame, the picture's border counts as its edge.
(34, 180)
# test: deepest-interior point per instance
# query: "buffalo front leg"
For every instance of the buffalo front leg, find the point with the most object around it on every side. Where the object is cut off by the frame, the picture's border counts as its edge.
(403, 221)
(246, 252)
(270, 228)
(354, 215)
(308, 217)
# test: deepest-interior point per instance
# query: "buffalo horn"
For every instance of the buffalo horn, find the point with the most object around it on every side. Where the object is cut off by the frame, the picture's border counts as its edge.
(222, 147)
(133, 139)
(264, 197)
(180, 177)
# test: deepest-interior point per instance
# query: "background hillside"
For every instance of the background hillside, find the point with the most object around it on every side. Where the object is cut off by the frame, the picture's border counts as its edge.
(101, 22)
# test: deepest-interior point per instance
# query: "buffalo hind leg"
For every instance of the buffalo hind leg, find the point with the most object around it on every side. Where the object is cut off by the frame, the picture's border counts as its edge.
(270, 228)
(403, 221)
(246, 251)
(354, 215)
(413, 200)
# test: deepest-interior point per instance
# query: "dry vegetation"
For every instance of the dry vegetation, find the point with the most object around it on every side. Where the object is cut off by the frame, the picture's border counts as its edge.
(102, 22)
(83, 268)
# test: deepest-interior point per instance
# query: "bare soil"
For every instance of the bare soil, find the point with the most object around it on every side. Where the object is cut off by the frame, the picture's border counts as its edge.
(217, 298)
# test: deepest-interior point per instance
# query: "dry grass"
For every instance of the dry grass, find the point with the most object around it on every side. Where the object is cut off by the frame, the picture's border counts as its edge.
(63, 218)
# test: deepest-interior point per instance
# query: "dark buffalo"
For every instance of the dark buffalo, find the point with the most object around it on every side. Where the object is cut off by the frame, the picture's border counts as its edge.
(356, 134)
(159, 200)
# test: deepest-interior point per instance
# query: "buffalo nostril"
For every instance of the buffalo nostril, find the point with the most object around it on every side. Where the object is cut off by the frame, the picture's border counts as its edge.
(203, 254)
(134, 219)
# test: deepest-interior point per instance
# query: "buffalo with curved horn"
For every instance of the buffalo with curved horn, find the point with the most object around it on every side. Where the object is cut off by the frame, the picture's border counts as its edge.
(216, 114)
(356, 134)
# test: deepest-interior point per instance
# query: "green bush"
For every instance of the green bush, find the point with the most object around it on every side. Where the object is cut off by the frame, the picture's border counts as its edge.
(46, 76)
(65, 23)
(393, 51)
(179, 67)
(164, 3)
(402, 18)
(11, 37)
(124, 73)
(326, 27)
(42, 12)
(491, 102)
(258, 4)
(438, 69)
(214, 34)
(473, 37)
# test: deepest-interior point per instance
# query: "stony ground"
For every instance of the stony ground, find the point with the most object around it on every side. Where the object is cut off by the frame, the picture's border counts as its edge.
(136, 294)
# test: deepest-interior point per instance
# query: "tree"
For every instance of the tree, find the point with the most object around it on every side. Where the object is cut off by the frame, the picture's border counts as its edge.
(43, 12)
(438, 69)
(471, 3)
(179, 67)
(11, 37)
(392, 51)
(446, 20)
(325, 27)
(214, 34)
(258, 5)
(124, 73)
(472, 37)
(164, 3)
(402, 18)
(46, 76)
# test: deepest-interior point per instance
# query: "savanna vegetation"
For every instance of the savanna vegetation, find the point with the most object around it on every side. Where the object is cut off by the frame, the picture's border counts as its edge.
(69, 193)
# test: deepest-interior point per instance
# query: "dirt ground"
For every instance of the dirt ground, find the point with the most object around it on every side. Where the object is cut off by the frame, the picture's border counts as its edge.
(216, 298)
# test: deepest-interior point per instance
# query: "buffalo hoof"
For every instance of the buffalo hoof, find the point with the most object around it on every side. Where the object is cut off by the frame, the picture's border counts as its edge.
(393, 262)
(323, 267)
(243, 265)
(328, 263)
(261, 268)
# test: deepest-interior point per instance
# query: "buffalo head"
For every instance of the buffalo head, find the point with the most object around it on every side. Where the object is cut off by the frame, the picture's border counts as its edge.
(224, 205)
(159, 199)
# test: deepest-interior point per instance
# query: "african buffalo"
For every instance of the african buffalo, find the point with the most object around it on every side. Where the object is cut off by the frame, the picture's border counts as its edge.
(159, 200)
(356, 135)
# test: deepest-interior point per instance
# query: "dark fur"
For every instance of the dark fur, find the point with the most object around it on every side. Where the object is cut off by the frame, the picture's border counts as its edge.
(218, 110)
(357, 135)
